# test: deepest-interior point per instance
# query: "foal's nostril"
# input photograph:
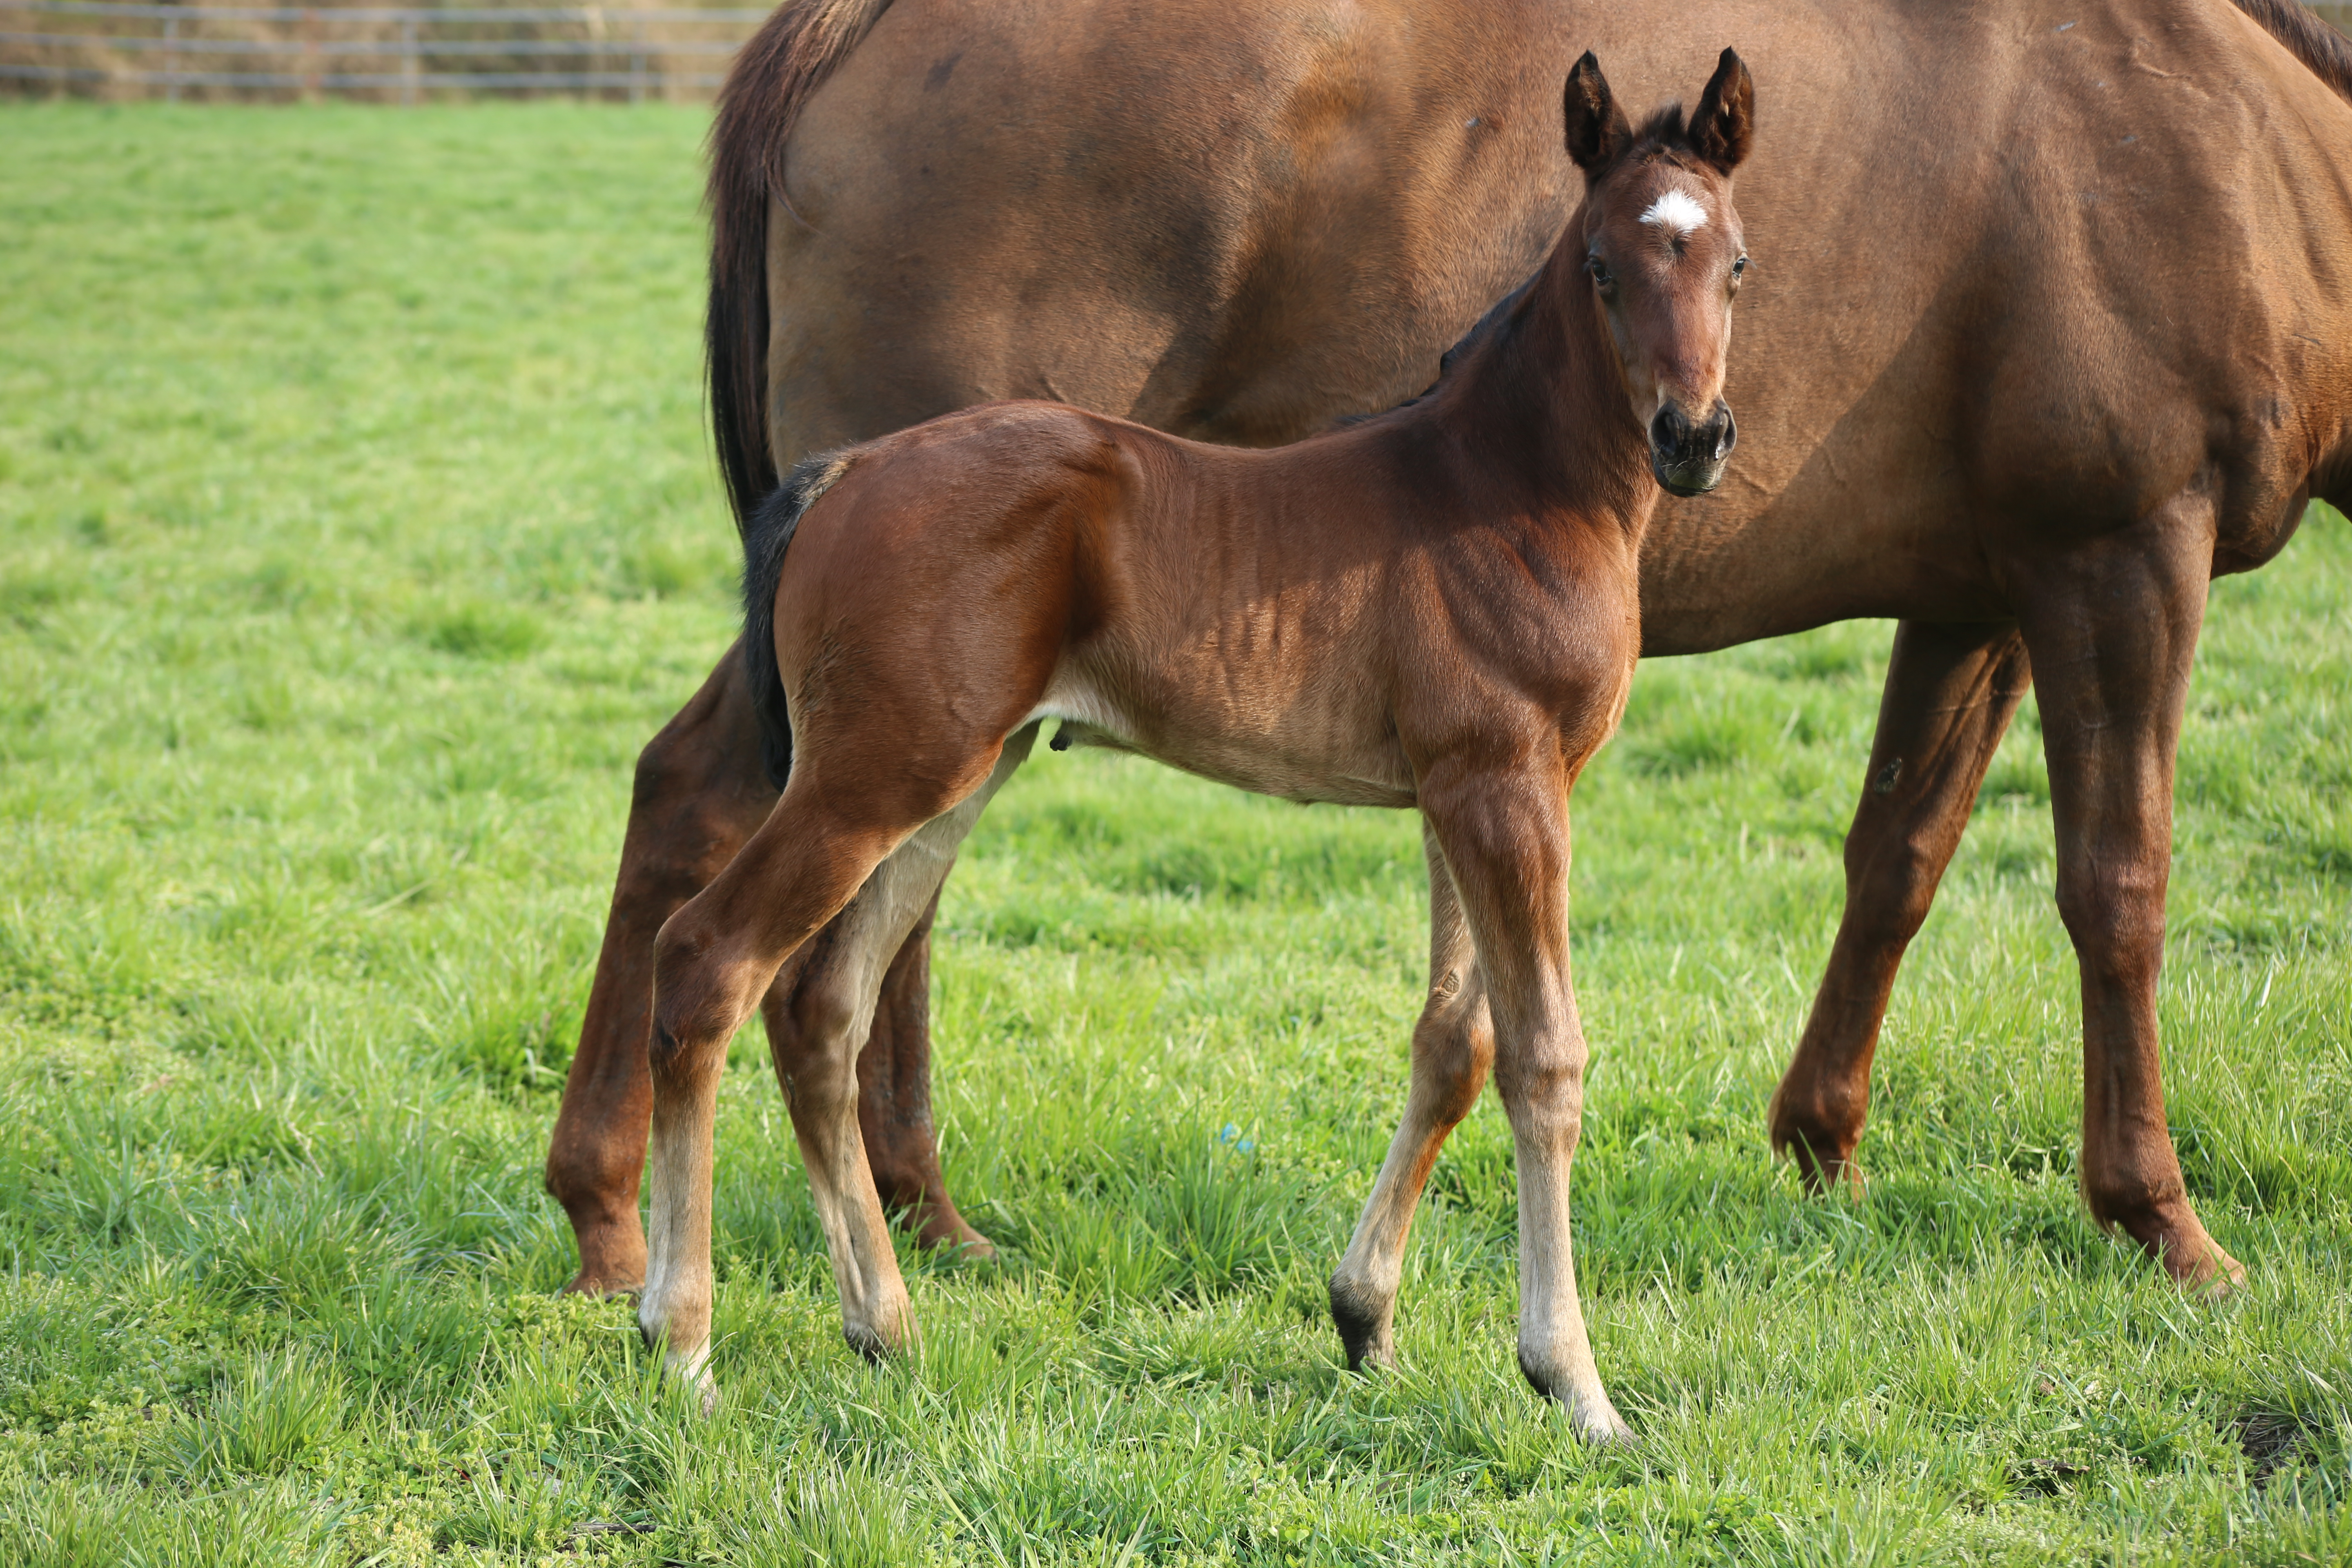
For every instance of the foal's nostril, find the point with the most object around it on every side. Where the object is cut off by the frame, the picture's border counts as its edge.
(1669, 432)
(1686, 459)
(1722, 430)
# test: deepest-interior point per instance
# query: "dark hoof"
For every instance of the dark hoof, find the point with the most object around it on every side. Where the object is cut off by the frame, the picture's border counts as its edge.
(1363, 1333)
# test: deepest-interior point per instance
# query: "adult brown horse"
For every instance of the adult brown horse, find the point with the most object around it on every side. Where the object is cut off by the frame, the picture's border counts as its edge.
(2051, 328)
(1437, 608)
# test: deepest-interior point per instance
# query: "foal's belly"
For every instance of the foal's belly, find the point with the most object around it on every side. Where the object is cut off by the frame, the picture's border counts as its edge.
(1289, 740)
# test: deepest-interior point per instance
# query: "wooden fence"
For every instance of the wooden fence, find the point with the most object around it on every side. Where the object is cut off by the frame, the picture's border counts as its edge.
(106, 48)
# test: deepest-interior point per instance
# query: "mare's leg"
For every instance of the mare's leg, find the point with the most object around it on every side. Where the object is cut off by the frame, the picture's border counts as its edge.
(836, 822)
(1505, 839)
(894, 1100)
(1453, 1048)
(2113, 628)
(700, 792)
(825, 1022)
(1951, 694)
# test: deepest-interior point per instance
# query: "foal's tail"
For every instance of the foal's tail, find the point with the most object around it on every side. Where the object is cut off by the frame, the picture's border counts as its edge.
(767, 534)
(773, 77)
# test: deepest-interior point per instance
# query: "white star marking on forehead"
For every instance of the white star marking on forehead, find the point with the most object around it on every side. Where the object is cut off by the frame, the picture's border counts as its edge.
(1676, 212)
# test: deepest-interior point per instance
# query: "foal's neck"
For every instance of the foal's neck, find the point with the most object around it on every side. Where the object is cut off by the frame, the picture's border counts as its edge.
(1541, 405)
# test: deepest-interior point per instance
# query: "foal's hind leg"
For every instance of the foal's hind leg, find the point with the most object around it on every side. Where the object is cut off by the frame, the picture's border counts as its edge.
(715, 958)
(816, 1051)
(1453, 1047)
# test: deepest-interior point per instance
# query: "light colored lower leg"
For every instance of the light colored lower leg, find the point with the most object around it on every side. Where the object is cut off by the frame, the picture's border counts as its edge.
(1453, 1047)
(673, 1310)
(835, 1011)
(1555, 1352)
(1506, 842)
(713, 960)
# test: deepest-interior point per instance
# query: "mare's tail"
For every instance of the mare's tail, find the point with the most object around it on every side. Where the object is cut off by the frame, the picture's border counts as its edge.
(772, 78)
(767, 534)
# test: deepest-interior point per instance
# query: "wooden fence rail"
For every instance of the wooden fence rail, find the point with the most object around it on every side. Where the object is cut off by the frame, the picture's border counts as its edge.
(390, 54)
(394, 54)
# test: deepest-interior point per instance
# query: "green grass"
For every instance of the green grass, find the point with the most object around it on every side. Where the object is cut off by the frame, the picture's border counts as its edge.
(358, 528)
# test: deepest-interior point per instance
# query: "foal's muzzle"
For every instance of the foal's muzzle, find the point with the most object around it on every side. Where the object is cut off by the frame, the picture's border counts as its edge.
(1689, 459)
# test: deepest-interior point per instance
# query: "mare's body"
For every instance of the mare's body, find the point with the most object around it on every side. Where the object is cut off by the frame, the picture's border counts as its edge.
(2051, 324)
(1437, 608)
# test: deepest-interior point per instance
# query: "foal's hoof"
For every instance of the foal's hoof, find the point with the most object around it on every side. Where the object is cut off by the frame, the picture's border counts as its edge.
(1366, 1334)
(1606, 1429)
(1590, 1413)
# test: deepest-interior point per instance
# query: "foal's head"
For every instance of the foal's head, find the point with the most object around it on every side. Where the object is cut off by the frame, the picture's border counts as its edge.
(1663, 255)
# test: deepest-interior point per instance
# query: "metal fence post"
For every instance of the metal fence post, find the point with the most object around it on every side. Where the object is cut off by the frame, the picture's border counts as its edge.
(411, 68)
(172, 60)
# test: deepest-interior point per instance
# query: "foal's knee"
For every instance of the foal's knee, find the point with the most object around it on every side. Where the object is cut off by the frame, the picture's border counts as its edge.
(1543, 1089)
(815, 1033)
(694, 1012)
(1452, 1049)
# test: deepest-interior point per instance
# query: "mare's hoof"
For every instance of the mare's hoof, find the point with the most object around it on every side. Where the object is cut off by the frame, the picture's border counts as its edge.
(2169, 1231)
(586, 1284)
(612, 1260)
(946, 1232)
(1823, 1156)
(1824, 1165)
(972, 1247)
(2210, 1275)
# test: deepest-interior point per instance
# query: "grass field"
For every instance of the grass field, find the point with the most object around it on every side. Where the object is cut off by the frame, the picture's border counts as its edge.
(356, 527)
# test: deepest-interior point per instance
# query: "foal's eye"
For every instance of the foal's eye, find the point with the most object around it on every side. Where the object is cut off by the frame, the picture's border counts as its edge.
(1740, 267)
(1600, 270)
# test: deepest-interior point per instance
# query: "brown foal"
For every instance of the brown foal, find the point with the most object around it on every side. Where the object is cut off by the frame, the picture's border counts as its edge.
(1437, 607)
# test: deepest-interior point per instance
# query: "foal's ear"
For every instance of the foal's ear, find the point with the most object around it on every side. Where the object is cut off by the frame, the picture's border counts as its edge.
(1597, 128)
(1724, 125)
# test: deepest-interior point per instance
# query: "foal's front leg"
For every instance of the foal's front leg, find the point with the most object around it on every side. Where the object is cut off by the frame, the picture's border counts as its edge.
(1453, 1049)
(1505, 839)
